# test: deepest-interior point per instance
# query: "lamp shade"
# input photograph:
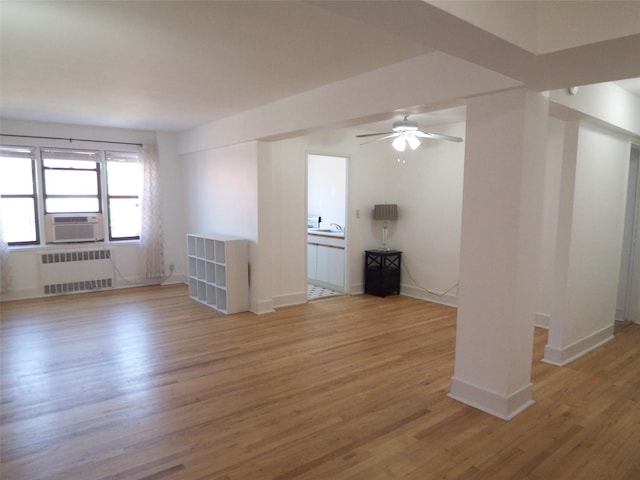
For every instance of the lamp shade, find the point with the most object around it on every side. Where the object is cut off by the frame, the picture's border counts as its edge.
(385, 212)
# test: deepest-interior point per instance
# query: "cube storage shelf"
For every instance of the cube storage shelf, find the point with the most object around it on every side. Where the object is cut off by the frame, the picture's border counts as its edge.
(219, 271)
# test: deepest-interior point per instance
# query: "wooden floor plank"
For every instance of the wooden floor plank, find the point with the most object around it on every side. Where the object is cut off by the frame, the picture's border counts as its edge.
(145, 383)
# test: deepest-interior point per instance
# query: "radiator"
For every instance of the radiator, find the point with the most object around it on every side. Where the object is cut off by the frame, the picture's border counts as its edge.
(76, 271)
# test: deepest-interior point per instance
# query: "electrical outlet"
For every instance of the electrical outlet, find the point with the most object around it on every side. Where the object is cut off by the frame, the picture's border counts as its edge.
(172, 267)
(357, 213)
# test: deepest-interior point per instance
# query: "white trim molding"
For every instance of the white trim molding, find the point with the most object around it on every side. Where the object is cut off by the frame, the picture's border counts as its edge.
(262, 307)
(289, 299)
(563, 356)
(497, 404)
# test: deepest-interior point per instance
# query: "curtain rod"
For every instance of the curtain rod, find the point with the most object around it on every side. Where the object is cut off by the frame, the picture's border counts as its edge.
(70, 139)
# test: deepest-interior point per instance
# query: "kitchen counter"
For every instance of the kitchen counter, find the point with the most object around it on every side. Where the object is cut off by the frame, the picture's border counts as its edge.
(325, 233)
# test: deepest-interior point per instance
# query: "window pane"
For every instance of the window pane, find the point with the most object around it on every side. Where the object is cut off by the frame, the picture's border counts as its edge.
(124, 178)
(71, 182)
(124, 217)
(72, 205)
(16, 176)
(18, 218)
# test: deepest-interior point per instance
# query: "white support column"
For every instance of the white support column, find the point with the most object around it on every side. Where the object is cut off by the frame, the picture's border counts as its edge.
(499, 258)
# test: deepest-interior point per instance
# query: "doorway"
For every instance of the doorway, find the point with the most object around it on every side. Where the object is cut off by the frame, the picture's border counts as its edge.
(326, 225)
(628, 307)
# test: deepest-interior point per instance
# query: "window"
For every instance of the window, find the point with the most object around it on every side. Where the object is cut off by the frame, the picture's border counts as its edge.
(35, 182)
(124, 181)
(18, 200)
(71, 181)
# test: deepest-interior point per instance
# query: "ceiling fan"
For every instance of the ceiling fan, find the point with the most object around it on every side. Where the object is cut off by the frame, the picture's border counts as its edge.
(406, 133)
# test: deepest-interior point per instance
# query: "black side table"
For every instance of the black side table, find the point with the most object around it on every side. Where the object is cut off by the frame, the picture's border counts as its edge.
(382, 272)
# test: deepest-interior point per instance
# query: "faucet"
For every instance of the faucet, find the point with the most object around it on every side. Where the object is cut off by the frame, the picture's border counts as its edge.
(337, 227)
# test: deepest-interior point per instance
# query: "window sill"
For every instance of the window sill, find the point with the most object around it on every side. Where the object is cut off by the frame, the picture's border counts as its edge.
(69, 246)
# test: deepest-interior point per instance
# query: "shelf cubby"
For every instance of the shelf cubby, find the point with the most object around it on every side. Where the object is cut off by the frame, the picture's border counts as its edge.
(220, 251)
(218, 271)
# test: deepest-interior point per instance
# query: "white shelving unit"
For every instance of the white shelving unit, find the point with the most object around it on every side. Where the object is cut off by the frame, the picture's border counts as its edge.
(219, 271)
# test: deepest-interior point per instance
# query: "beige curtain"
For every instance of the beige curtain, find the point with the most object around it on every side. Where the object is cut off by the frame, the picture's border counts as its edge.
(151, 225)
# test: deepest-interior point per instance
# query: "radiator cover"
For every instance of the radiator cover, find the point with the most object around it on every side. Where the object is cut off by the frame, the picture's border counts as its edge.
(76, 271)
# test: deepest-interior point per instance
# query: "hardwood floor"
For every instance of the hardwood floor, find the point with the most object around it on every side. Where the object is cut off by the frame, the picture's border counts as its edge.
(147, 384)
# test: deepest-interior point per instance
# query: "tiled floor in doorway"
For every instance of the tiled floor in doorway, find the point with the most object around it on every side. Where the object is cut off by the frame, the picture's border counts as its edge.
(314, 291)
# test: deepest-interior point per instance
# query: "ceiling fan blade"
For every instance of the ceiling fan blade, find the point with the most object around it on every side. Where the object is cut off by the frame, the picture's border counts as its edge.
(437, 136)
(372, 134)
(389, 135)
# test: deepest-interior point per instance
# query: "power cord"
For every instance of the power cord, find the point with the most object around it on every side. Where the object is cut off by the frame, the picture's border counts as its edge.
(129, 282)
(404, 265)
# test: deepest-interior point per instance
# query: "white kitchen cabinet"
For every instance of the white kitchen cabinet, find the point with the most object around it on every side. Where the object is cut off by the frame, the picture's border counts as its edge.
(325, 261)
(218, 271)
(335, 261)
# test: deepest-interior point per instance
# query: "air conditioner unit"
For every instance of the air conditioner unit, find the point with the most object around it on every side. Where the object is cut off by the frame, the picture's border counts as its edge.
(73, 227)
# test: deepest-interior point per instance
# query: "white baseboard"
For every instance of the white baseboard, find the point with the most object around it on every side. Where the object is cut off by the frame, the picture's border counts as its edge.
(499, 405)
(175, 279)
(261, 307)
(289, 299)
(543, 320)
(22, 294)
(414, 292)
(563, 356)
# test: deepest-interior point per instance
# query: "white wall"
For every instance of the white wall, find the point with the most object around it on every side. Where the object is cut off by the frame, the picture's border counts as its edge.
(553, 169)
(427, 188)
(366, 180)
(604, 103)
(326, 188)
(172, 206)
(589, 242)
(23, 263)
(222, 191)
(222, 197)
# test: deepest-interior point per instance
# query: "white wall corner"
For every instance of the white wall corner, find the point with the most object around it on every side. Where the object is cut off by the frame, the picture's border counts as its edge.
(497, 404)
(562, 356)
(543, 320)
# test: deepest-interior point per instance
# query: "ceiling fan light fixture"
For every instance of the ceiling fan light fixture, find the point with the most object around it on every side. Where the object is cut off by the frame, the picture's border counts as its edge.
(399, 143)
(413, 141)
(405, 125)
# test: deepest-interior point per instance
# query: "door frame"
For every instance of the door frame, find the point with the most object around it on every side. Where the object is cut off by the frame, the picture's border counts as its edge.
(347, 159)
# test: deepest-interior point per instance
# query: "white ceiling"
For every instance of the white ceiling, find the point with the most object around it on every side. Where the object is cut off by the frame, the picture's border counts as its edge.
(172, 65)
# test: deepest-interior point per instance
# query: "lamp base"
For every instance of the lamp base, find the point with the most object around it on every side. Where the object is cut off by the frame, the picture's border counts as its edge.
(384, 237)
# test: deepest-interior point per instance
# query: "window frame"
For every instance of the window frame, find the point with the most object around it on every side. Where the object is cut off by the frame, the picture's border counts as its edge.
(96, 160)
(39, 152)
(120, 156)
(34, 195)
